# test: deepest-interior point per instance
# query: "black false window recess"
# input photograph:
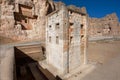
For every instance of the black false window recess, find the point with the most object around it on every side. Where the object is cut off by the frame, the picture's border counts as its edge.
(82, 36)
(81, 26)
(57, 40)
(50, 26)
(57, 26)
(50, 39)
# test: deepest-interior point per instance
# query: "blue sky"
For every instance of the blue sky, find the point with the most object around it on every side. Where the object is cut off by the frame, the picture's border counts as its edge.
(97, 8)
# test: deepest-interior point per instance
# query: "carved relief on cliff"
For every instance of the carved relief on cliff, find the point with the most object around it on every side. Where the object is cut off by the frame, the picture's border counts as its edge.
(24, 23)
(31, 21)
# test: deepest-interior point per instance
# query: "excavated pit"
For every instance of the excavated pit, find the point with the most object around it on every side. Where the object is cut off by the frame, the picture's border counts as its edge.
(27, 66)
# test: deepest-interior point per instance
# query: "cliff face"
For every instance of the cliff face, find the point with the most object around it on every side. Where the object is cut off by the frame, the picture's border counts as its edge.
(6, 18)
(106, 26)
(26, 19)
(42, 8)
(15, 18)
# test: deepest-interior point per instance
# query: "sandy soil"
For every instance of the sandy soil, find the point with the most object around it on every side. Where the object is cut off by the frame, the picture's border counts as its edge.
(103, 51)
(105, 56)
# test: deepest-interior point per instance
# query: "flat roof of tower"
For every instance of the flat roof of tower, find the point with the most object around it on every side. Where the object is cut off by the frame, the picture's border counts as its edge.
(69, 8)
(75, 9)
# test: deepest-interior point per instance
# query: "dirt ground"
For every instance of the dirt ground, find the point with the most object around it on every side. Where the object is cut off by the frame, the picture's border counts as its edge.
(105, 56)
(103, 51)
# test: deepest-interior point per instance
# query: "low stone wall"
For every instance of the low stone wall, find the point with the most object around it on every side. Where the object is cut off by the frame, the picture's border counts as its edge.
(98, 38)
(6, 63)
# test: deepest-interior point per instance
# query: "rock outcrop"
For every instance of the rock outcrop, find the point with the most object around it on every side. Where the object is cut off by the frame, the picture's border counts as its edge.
(104, 27)
(42, 8)
(6, 18)
(15, 20)
(26, 20)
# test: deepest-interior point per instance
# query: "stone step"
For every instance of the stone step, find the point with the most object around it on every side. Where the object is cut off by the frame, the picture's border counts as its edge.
(27, 49)
(31, 50)
(36, 73)
(28, 46)
(49, 75)
(37, 56)
(35, 52)
(82, 71)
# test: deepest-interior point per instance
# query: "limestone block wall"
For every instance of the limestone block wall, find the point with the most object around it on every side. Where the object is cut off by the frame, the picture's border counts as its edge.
(74, 40)
(7, 62)
(55, 40)
(84, 38)
(63, 39)
(57, 27)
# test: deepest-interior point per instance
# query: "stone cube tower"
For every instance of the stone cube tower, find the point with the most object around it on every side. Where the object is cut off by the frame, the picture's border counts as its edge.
(65, 35)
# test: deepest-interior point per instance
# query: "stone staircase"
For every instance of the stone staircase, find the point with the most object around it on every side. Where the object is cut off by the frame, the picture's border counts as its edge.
(34, 52)
(37, 74)
(29, 56)
(41, 74)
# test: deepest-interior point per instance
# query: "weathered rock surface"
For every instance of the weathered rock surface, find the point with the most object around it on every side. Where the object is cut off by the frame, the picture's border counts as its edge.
(106, 26)
(10, 28)
(42, 8)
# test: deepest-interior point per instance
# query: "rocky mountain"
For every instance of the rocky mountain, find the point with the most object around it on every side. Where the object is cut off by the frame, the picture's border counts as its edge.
(26, 20)
(10, 9)
(106, 26)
